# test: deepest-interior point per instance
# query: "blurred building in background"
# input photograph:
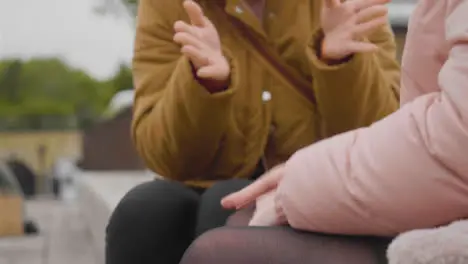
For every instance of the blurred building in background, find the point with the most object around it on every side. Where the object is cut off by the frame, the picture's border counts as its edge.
(107, 145)
(38, 150)
(97, 143)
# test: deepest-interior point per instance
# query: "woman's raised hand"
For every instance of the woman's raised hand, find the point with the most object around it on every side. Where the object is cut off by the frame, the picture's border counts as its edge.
(201, 44)
(346, 24)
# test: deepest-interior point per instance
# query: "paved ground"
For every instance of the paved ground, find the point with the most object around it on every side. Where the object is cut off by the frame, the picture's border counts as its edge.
(64, 237)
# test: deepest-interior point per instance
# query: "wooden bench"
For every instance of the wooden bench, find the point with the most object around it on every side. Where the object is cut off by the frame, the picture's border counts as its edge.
(11, 204)
(11, 215)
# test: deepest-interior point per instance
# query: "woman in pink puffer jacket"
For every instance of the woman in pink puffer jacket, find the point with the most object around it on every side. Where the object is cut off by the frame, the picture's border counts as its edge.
(407, 171)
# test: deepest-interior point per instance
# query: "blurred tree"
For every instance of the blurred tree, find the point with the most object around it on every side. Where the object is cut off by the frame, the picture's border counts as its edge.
(131, 5)
(123, 79)
(47, 93)
(9, 82)
(119, 8)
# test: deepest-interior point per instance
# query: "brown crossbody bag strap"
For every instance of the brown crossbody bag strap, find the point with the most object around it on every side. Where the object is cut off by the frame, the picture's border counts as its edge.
(274, 59)
(290, 74)
(271, 56)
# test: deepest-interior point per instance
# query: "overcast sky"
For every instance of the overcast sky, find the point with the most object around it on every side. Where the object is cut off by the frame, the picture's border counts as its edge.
(72, 30)
(66, 28)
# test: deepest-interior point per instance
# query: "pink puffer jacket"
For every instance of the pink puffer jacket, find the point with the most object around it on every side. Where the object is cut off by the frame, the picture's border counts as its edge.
(409, 170)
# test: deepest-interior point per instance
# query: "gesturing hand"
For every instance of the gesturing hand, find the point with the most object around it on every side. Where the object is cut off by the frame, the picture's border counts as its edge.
(345, 24)
(268, 210)
(266, 183)
(200, 43)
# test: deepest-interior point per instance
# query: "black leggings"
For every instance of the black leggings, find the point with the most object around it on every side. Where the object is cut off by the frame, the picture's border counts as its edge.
(283, 245)
(156, 221)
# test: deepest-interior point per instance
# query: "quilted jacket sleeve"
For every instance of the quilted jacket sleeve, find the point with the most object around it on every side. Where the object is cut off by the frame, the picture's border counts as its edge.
(406, 171)
(177, 123)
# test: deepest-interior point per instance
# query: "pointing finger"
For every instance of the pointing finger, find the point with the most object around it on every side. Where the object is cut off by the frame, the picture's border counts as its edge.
(250, 193)
(195, 13)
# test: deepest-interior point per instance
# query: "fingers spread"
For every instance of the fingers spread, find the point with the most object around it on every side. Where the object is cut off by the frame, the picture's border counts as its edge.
(331, 3)
(195, 13)
(366, 28)
(362, 47)
(359, 5)
(370, 13)
(207, 72)
(187, 39)
(194, 54)
(181, 26)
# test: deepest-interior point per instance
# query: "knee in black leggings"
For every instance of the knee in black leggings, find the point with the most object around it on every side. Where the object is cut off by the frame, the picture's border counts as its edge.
(153, 223)
(211, 214)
